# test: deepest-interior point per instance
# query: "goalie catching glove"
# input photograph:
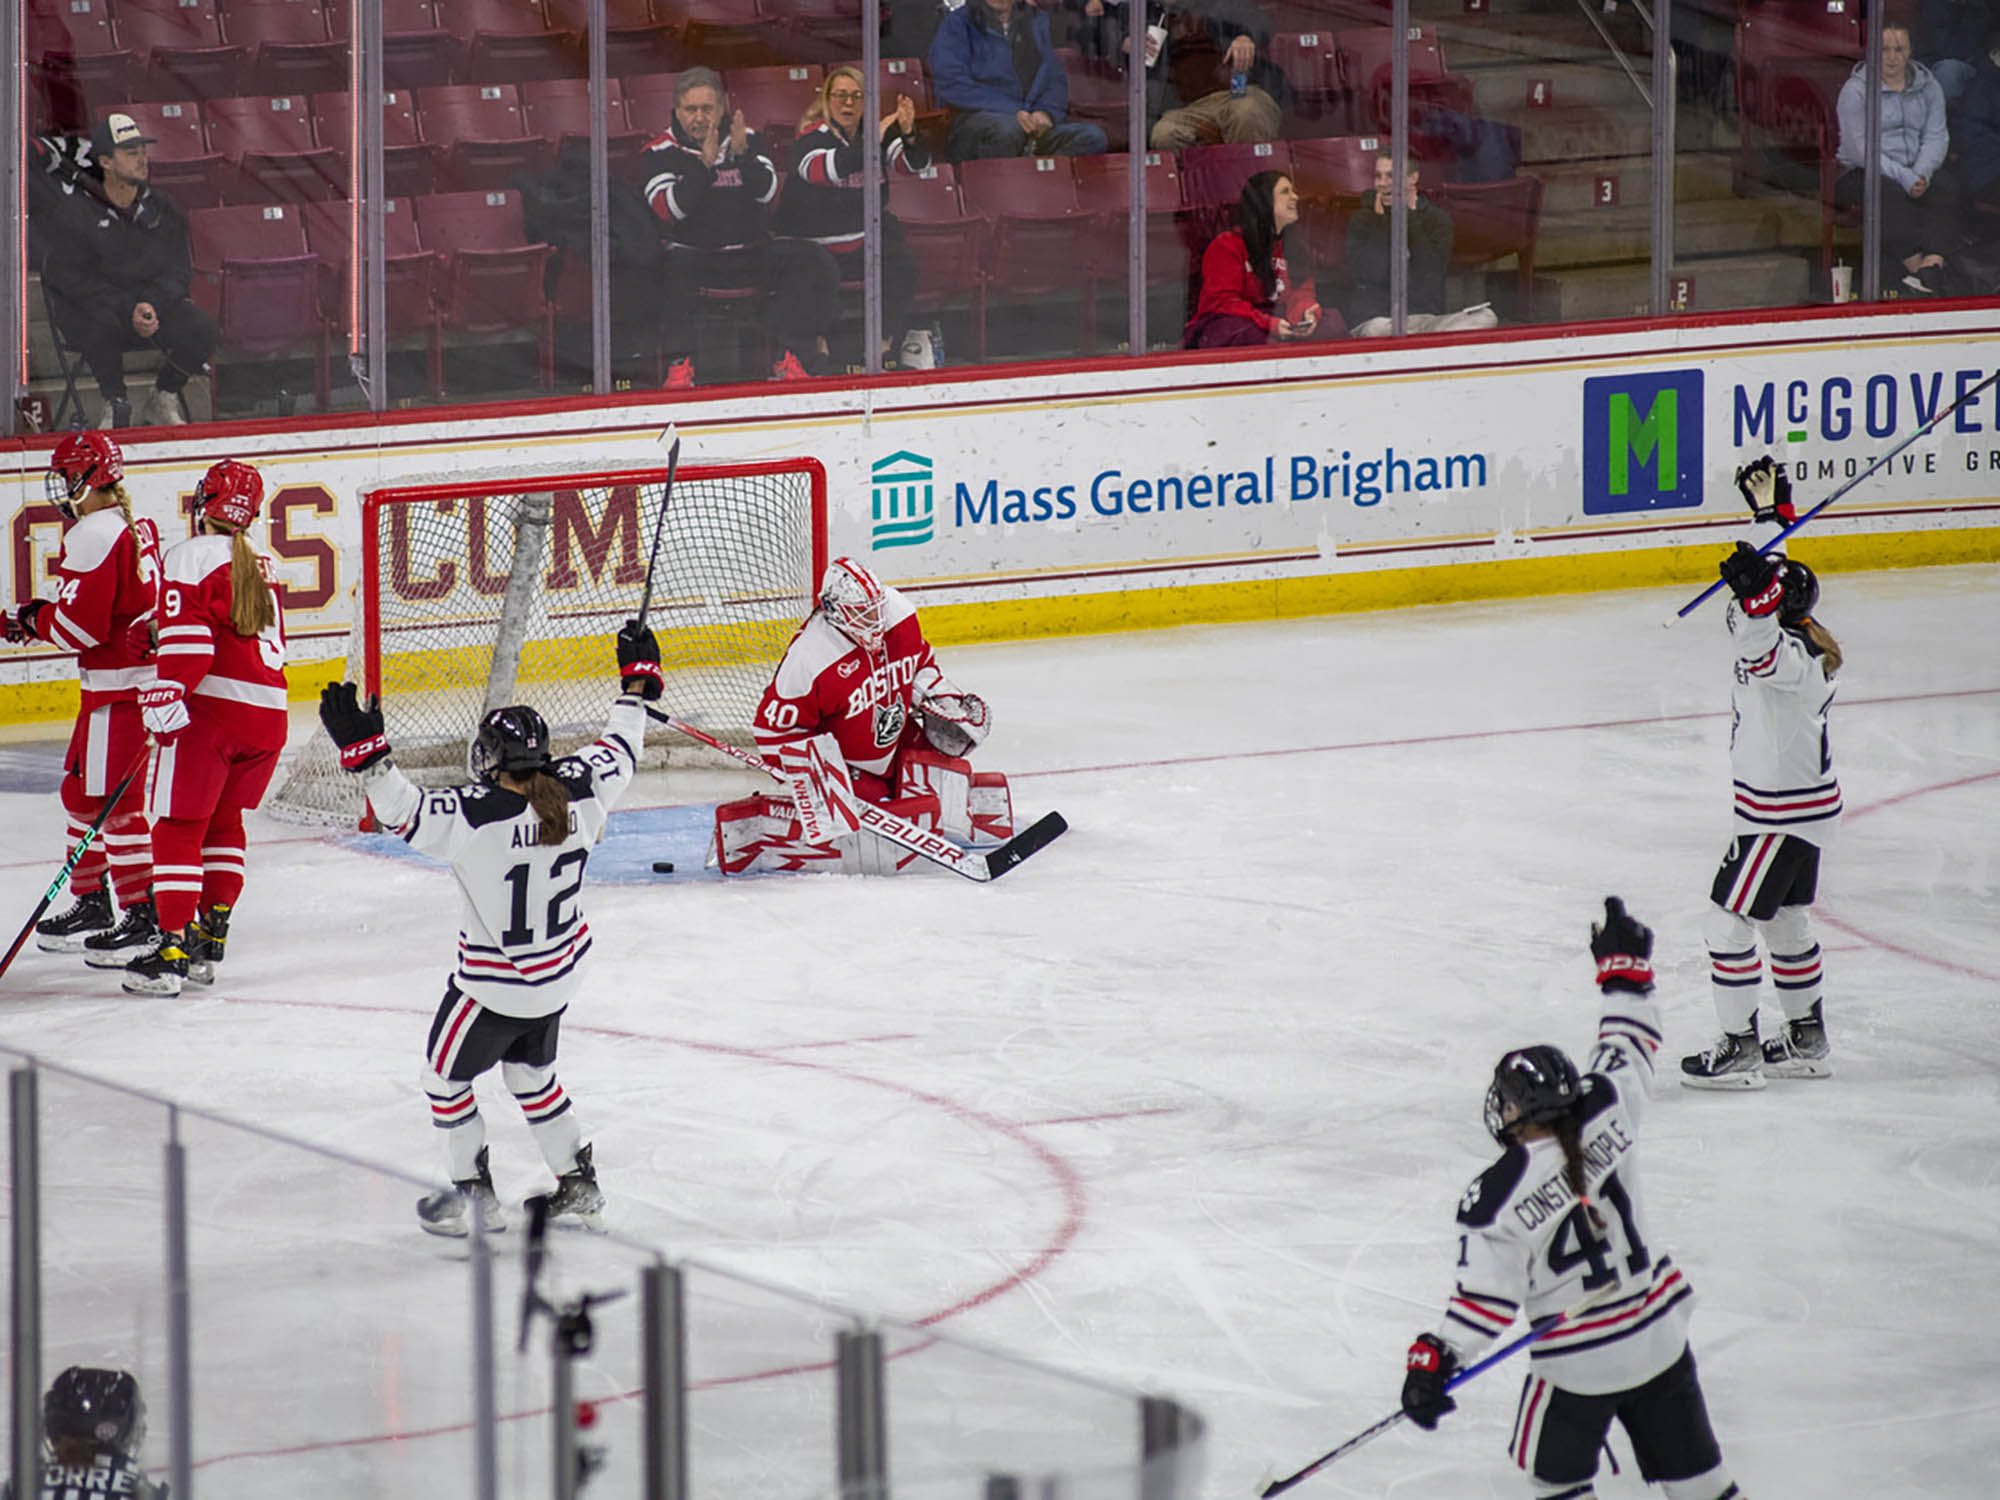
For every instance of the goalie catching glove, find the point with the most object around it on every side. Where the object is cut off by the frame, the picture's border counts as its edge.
(356, 730)
(954, 722)
(639, 662)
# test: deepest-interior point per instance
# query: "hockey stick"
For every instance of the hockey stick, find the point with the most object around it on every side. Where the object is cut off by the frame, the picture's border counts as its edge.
(660, 526)
(62, 875)
(1699, 599)
(1539, 1329)
(982, 865)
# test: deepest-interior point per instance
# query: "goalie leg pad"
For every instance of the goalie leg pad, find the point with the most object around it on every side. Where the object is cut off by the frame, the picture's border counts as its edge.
(865, 853)
(946, 778)
(762, 832)
(992, 807)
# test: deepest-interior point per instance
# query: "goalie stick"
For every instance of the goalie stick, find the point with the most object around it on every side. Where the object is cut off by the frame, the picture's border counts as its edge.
(1540, 1328)
(62, 875)
(982, 865)
(660, 526)
(1714, 588)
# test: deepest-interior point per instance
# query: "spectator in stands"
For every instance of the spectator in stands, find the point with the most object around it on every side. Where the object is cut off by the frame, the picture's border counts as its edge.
(1427, 258)
(117, 271)
(1921, 222)
(993, 66)
(1952, 39)
(1247, 292)
(1977, 125)
(1227, 40)
(710, 181)
(819, 224)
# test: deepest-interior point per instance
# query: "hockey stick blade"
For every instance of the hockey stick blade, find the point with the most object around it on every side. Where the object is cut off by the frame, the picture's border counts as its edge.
(1030, 841)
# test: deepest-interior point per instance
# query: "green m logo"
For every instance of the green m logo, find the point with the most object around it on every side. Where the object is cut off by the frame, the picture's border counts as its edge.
(1642, 442)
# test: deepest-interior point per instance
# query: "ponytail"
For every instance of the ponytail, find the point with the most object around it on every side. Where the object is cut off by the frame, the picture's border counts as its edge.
(117, 492)
(1569, 1138)
(252, 610)
(550, 800)
(1823, 641)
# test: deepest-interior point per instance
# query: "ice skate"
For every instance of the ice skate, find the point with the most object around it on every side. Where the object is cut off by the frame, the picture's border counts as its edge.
(1801, 1051)
(206, 936)
(577, 1199)
(66, 933)
(136, 935)
(1733, 1061)
(161, 972)
(448, 1211)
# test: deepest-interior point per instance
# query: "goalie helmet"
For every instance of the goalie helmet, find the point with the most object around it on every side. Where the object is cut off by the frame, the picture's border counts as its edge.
(82, 461)
(514, 739)
(854, 601)
(228, 494)
(1801, 591)
(99, 1407)
(1537, 1084)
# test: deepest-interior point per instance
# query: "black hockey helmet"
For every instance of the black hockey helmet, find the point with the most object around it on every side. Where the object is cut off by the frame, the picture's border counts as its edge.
(1541, 1085)
(1801, 591)
(99, 1407)
(513, 739)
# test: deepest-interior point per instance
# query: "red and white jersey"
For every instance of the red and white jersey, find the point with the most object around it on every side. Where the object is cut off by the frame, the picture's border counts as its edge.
(828, 685)
(234, 681)
(1527, 1248)
(107, 583)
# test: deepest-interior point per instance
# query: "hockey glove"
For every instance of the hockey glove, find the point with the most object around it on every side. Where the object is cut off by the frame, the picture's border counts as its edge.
(955, 723)
(20, 626)
(639, 662)
(1756, 578)
(1431, 1364)
(163, 708)
(356, 730)
(1767, 490)
(1623, 948)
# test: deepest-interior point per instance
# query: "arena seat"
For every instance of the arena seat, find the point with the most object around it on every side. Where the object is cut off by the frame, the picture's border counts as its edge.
(272, 152)
(482, 134)
(291, 51)
(254, 272)
(492, 277)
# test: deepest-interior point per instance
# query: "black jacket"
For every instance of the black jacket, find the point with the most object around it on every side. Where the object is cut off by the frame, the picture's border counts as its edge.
(96, 254)
(713, 208)
(1430, 237)
(822, 198)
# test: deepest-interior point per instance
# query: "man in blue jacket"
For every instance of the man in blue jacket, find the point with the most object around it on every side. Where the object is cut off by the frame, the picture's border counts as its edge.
(992, 64)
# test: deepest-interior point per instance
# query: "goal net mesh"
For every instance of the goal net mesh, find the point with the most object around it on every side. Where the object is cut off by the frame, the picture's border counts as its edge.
(478, 592)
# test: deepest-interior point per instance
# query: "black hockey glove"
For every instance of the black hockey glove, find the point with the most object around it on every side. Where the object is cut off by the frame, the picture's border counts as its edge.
(356, 730)
(1756, 578)
(639, 662)
(20, 626)
(1431, 1364)
(1767, 490)
(1623, 948)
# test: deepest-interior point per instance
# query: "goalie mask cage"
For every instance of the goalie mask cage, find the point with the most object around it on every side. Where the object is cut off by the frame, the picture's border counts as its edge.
(480, 591)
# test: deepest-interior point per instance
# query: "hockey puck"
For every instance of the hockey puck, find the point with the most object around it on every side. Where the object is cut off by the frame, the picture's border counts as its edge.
(663, 867)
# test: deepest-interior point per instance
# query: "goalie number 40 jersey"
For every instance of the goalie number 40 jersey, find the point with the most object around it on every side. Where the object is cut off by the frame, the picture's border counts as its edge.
(828, 685)
(522, 932)
(1528, 1247)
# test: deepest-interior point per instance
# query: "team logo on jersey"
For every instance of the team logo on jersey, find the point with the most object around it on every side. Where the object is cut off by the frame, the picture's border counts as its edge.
(850, 667)
(888, 722)
(1642, 442)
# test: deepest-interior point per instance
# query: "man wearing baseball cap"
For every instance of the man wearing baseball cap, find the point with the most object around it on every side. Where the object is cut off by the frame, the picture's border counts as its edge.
(118, 274)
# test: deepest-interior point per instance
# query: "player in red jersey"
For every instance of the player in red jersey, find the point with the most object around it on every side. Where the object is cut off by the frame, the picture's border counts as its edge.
(107, 588)
(859, 697)
(217, 716)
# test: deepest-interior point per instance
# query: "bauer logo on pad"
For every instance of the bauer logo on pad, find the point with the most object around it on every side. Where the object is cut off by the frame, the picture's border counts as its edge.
(1642, 442)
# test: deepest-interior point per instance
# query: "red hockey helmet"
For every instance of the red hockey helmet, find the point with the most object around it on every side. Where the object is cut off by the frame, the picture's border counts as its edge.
(854, 601)
(229, 494)
(82, 461)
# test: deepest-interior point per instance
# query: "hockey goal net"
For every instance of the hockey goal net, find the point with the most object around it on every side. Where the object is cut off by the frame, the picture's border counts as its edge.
(479, 591)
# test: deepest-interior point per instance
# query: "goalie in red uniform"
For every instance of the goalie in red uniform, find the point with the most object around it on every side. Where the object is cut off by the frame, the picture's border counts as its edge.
(217, 717)
(108, 585)
(859, 708)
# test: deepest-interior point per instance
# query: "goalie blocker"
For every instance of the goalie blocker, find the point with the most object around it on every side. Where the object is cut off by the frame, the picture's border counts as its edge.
(860, 711)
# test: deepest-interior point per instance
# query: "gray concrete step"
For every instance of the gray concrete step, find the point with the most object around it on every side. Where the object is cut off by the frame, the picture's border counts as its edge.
(1601, 236)
(1583, 186)
(1722, 284)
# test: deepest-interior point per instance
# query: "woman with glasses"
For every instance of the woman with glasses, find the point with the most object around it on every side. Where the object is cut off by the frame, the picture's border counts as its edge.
(819, 214)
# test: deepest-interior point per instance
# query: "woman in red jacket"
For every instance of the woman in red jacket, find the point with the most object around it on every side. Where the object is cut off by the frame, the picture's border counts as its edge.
(1247, 295)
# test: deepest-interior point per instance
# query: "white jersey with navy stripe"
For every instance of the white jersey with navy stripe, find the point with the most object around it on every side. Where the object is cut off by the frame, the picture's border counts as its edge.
(1779, 753)
(1528, 1248)
(522, 932)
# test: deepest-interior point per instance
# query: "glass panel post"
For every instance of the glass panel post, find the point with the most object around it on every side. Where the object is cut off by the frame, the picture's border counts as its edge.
(1871, 170)
(180, 1354)
(14, 219)
(26, 1340)
(600, 208)
(1399, 158)
(370, 257)
(871, 185)
(665, 1331)
(1664, 103)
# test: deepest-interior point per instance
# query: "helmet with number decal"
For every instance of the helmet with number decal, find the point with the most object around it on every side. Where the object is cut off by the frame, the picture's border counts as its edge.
(82, 461)
(514, 739)
(1531, 1086)
(101, 1408)
(228, 494)
(854, 601)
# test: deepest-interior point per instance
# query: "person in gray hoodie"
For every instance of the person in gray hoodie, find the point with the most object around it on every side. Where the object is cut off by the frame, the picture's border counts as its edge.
(1921, 220)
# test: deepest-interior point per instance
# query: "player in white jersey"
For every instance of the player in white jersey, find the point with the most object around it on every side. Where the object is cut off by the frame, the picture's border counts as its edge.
(518, 842)
(1559, 1221)
(1787, 807)
(93, 1424)
(859, 700)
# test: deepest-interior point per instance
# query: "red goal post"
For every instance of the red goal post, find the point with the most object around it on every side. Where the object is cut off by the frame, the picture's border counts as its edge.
(479, 590)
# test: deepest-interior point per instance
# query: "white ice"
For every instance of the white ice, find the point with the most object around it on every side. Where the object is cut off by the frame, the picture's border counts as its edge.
(1186, 1102)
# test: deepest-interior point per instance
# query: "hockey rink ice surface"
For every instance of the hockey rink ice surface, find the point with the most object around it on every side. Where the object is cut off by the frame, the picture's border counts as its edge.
(1185, 1102)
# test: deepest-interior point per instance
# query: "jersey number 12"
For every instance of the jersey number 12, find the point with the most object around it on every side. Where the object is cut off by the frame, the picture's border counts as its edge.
(520, 931)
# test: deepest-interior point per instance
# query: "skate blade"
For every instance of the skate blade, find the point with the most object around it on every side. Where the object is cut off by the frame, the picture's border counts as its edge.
(201, 974)
(98, 959)
(1801, 1067)
(590, 1223)
(61, 944)
(166, 984)
(1725, 1083)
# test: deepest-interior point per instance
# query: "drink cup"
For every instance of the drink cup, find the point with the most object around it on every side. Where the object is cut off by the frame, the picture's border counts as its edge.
(1843, 282)
(1156, 43)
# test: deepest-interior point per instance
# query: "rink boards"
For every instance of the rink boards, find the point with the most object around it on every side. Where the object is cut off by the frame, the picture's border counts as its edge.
(1055, 500)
